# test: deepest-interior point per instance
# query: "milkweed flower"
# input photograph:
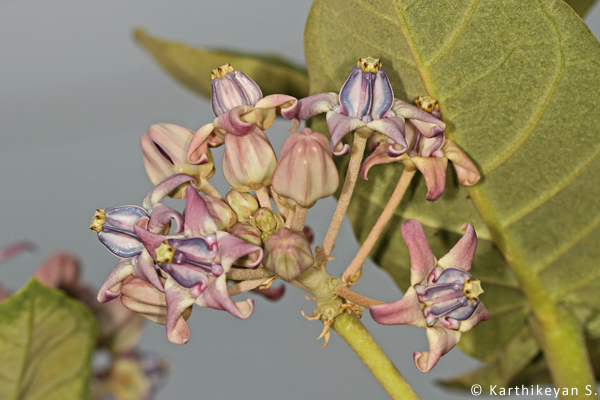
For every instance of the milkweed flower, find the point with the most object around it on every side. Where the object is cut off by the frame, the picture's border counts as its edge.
(442, 297)
(429, 155)
(365, 102)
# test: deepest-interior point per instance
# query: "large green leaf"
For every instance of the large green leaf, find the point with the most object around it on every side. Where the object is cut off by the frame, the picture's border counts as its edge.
(518, 85)
(46, 344)
(581, 6)
(192, 66)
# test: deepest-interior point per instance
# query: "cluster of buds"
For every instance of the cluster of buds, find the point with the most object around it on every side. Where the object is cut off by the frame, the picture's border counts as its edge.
(241, 238)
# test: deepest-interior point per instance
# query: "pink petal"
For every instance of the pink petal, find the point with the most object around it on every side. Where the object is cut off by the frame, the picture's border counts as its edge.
(434, 172)
(198, 147)
(379, 156)
(339, 125)
(271, 293)
(60, 270)
(15, 249)
(142, 291)
(178, 300)
(160, 191)
(426, 123)
(111, 288)
(422, 260)
(406, 311)
(441, 341)
(231, 121)
(392, 127)
(308, 107)
(467, 172)
(198, 221)
(232, 248)
(480, 314)
(217, 297)
(461, 255)
(144, 269)
(161, 216)
(151, 241)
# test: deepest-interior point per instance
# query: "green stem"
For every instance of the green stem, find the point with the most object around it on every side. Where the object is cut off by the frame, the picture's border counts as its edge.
(366, 348)
(558, 333)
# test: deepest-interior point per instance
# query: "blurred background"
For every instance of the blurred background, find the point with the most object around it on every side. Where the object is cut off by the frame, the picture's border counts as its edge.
(77, 94)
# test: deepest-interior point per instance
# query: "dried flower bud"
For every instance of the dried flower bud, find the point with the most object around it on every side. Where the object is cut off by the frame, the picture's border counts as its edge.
(249, 160)
(306, 172)
(231, 88)
(288, 254)
(247, 232)
(244, 205)
(164, 148)
(222, 214)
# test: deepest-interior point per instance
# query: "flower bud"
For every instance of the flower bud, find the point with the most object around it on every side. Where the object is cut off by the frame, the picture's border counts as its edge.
(221, 213)
(247, 232)
(288, 254)
(264, 219)
(306, 172)
(231, 88)
(244, 205)
(249, 160)
(164, 148)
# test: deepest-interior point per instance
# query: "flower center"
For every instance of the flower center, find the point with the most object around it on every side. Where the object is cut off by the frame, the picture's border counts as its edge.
(164, 253)
(369, 64)
(221, 71)
(98, 220)
(472, 289)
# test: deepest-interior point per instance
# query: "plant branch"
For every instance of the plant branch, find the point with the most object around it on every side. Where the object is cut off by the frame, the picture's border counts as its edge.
(366, 348)
(245, 274)
(358, 149)
(379, 226)
(356, 298)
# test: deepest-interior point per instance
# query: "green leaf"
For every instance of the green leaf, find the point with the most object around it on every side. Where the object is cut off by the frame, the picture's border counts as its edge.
(517, 85)
(192, 66)
(581, 6)
(46, 345)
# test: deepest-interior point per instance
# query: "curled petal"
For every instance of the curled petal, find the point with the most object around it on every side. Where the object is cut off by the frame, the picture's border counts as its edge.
(392, 127)
(60, 270)
(187, 276)
(15, 249)
(217, 297)
(406, 311)
(308, 107)
(430, 147)
(232, 248)
(161, 216)
(178, 300)
(480, 314)
(422, 260)
(231, 121)
(111, 288)
(151, 241)
(198, 147)
(285, 104)
(434, 172)
(161, 190)
(467, 172)
(426, 123)
(441, 341)
(339, 125)
(142, 307)
(144, 269)
(379, 156)
(198, 221)
(461, 255)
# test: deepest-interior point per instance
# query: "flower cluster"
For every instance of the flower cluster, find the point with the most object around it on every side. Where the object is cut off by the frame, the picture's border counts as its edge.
(242, 238)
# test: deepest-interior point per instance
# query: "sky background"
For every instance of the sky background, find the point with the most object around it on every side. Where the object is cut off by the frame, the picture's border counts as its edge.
(77, 94)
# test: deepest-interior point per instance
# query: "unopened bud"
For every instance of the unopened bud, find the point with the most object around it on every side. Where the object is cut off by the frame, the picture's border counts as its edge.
(264, 219)
(288, 254)
(247, 232)
(244, 205)
(222, 214)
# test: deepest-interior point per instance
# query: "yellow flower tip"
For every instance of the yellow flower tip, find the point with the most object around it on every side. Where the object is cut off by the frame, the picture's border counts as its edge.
(164, 253)
(221, 71)
(426, 103)
(98, 221)
(472, 289)
(369, 64)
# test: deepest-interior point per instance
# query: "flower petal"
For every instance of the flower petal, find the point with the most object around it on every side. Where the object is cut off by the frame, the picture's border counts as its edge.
(60, 270)
(111, 288)
(15, 249)
(461, 255)
(232, 248)
(160, 191)
(161, 216)
(434, 172)
(422, 260)
(379, 156)
(480, 314)
(142, 291)
(271, 293)
(441, 341)
(308, 107)
(406, 311)
(339, 125)
(144, 269)
(467, 172)
(178, 299)
(121, 244)
(231, 121)
(426, 123)
(198, 221)
(198, 147)
(392, 127)
(217, 297)
(278, 102)
(151, 241)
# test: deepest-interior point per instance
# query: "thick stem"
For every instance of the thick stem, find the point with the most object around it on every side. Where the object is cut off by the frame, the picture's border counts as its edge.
(356, 298)
(358, 150)
(209, 190)
(384, 218)
(245, 274)
(263, 197)
(366, 348)
(245, 286)
(298, 218)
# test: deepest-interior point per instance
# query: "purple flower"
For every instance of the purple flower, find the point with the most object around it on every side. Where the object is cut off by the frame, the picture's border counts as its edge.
(365, 102)
(196, 263)
(429, 155)
(442, 298)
